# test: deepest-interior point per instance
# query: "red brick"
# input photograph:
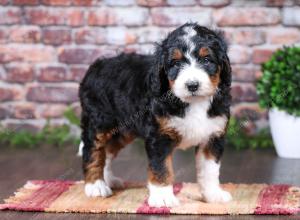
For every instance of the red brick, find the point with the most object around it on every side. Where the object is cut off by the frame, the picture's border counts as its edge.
(165, 16)
(214, 3)
(278, 3)
(23, 111)
(64, 94)
(10, 15)
(78, 55)
(3, 2)
(243, 73)
(23, 125)
(251, 16)
(52, 74)
(77, 73)
(24, 34)
(56, 36)
(75, 17)
(37, 53)
(118, 16)
(239, 54)
(283, 36)
(57, 2)
(248, 37)
(151, 3)
(100, 17)
(25, 2)
(3, 35)
(20, 73)
(249, 111)
(258, 74)
(3, 113)
(243, 92)
(6, 94)
(54, 16)
(90, 36)
(52, 111)
(83, 2)
(261, 55)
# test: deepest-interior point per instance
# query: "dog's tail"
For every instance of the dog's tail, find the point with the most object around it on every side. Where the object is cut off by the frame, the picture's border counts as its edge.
(80, 149)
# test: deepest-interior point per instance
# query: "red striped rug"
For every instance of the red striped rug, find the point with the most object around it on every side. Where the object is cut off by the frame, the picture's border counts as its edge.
(68, 196)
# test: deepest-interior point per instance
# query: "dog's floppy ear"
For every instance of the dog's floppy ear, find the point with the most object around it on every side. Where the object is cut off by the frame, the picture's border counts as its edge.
(225, 71)
(225, 62)
(158, 80)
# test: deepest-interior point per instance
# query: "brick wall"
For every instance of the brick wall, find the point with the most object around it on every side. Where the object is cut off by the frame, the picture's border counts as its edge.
(46, 45)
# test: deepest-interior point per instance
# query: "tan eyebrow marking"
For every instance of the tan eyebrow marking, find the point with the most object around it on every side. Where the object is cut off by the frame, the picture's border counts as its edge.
(203, 52)
(177, 54)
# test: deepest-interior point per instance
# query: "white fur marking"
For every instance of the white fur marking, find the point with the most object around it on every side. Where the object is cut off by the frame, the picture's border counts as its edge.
(208, 178)
(192, 73)
(196, 127)
(161, 196)
(111, 180)
(98, 188)
(80, 149)
(190, 32)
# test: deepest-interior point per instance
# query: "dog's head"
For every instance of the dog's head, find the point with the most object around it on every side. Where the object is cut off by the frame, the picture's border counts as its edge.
(192, 62)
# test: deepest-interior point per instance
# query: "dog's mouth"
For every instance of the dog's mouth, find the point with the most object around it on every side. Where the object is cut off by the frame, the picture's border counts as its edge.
(195, 98)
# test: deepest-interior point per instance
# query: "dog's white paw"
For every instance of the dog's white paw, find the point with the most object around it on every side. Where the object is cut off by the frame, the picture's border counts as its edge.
(163, 200)
(162, 196)
(114, 182)
(98, 188)
(216, 195)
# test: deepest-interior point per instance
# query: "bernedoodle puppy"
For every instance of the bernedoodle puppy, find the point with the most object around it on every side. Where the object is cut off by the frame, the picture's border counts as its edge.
(176, 98)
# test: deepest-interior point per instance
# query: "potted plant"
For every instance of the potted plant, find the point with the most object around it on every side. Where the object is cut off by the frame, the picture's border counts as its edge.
(279, 91)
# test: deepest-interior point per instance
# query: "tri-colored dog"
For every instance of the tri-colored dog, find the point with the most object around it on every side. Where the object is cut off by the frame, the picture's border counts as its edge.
(177, 98)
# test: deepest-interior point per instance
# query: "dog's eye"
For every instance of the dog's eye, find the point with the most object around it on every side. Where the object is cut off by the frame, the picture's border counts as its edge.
(176, 63)
(206, 61)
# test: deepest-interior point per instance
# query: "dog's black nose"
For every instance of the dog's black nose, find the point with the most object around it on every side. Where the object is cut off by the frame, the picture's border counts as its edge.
(192, 86)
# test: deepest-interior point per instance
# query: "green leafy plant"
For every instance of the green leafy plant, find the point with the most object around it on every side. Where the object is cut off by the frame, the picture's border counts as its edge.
(51, 135)
(279, 86)
(57, 136)
(238, 138)
(72, 117)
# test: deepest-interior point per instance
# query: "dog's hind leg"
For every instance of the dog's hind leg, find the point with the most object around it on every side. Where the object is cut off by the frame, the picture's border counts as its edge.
(94, 158)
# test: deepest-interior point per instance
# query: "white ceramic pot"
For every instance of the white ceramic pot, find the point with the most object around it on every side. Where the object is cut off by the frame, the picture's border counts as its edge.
(285, 129)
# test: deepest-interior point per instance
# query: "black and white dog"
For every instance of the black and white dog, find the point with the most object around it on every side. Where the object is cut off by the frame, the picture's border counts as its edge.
(177, 98)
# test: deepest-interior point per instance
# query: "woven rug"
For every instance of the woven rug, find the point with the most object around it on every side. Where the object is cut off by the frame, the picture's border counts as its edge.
(68, 196)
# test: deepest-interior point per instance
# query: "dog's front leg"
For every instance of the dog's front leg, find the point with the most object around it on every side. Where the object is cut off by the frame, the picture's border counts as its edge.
(160, 173)
(208, 170)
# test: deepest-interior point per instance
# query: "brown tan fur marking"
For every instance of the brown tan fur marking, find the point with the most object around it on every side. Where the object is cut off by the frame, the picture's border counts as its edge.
(207, 154)
(101, 139)
(116, 144)
(171, 132)
(215, 78)
(177, 54)
(203, 52)
(168, 176)
(94, 169)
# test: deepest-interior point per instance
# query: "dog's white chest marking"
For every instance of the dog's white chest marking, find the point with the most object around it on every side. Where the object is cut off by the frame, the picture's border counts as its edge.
(196, 127)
